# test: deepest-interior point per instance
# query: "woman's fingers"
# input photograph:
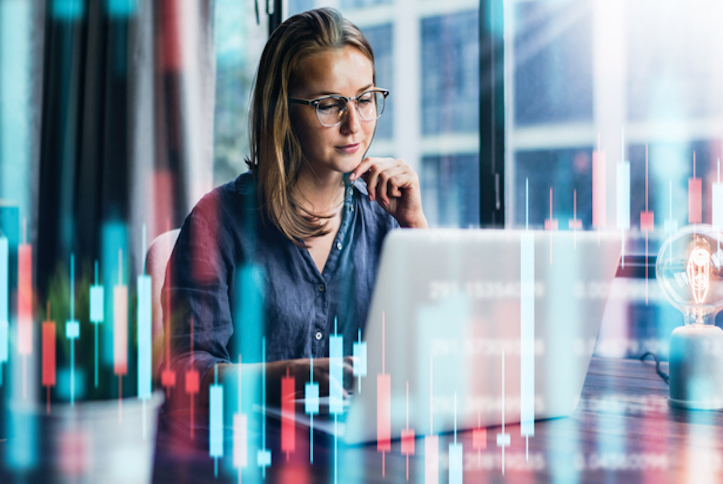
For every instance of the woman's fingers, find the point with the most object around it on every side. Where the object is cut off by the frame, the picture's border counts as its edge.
(362, 168)
(371, 177)
(323, 377)
(299, 369)
(395, 185)
(377, 172)
(389, 182)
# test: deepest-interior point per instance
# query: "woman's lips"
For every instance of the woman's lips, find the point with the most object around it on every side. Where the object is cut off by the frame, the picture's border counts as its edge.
(348, 149)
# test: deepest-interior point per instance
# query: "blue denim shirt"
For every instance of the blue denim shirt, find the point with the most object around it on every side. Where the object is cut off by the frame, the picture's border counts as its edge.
(222, 237)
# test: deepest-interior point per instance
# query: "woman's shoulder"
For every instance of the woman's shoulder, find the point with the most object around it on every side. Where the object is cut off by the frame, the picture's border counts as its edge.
(232, 196)
(224, 209)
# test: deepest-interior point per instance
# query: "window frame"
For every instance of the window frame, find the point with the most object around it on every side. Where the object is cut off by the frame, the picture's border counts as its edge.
(492, 114)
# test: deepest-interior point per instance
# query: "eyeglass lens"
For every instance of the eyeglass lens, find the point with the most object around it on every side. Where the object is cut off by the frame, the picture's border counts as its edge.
(331, 110)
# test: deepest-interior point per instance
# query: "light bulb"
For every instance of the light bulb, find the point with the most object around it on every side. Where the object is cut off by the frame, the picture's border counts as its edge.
(689, 270)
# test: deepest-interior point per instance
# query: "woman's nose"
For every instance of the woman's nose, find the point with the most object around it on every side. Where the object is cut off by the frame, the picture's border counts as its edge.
(352, 120)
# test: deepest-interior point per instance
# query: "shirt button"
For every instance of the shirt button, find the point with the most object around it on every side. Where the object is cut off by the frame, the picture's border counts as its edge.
(321, 288)
(318, 335)
(338, 245)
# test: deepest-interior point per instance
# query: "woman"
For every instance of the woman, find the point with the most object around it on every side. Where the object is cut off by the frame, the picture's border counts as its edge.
(304, 228)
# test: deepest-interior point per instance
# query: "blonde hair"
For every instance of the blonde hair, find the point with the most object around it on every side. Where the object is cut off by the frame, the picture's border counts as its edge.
(276, 154)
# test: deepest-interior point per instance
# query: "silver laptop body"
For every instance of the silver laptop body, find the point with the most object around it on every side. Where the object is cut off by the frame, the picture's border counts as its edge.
(473, 328)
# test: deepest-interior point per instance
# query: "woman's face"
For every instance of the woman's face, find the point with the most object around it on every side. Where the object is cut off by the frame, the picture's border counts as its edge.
(336, 149)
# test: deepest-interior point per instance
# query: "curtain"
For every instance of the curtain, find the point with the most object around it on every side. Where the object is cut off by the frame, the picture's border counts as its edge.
(106, 141)
(127, 123)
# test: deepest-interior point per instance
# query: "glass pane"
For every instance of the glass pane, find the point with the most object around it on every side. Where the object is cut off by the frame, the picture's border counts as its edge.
(380, 38)
(567, 172)
(298, 6)
(451, 190)
(450, 73)
(239, 42)
(356, 4)
(673, 59)
(613, 76)
(553, 63)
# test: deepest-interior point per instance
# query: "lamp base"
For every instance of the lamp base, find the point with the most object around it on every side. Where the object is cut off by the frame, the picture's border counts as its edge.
(696, 367)
(695, 405)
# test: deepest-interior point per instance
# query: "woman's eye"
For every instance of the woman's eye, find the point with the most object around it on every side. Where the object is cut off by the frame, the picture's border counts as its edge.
(328, 105)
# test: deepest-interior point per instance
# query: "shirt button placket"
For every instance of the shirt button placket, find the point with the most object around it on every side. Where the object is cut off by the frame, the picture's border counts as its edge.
(318, 334)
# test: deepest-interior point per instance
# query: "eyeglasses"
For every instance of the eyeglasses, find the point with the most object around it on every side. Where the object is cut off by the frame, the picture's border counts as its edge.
(330, 110)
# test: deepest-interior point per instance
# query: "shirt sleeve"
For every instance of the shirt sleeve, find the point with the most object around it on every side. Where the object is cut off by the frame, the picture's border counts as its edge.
(197, 289)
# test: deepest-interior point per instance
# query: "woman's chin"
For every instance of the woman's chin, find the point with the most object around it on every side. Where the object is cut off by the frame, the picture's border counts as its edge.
(347, 166)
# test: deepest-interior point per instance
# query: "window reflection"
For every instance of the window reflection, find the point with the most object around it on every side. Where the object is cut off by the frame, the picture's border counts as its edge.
(451, 190)
(624, 74)
(380, 38)
(450, 73)
(238, 42)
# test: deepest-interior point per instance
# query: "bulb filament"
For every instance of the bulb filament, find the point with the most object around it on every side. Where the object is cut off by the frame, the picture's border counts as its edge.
(699, 273)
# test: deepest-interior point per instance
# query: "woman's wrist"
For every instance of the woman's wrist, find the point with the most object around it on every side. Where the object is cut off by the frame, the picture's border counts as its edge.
(419, 222)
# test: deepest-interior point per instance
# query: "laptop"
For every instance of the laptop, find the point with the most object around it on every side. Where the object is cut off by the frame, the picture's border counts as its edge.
(472, 328)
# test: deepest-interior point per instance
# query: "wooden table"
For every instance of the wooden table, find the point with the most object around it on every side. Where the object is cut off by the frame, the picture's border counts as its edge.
(622, 431)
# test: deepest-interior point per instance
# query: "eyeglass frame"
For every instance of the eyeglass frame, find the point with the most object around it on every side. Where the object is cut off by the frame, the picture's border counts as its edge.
(315, 102)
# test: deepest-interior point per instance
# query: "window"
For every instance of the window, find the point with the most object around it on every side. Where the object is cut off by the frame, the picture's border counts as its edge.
(618, 75)
(239, 42)
(380, 38)
(629, 78)
(450, 79)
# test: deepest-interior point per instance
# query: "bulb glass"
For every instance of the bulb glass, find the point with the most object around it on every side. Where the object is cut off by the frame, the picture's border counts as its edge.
(690, 273)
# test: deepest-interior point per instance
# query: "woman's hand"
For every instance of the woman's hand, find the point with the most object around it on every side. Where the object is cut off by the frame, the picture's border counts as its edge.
(299, 369)
(395, 186)
(276, 370)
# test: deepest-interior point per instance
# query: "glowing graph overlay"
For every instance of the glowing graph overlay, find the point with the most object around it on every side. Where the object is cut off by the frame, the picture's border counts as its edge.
(717, 204)
(622, 189)
(695, 197)
(25, 307)
(120, 332)
(408, 437)
(72, 329)
(599, 187)
(431, 441)
(456, 453)
(359, 352)
(647, 224)
(240, 430)
(384, 405)
(144, 335)
(288, 418)
(97, 311)
(48, 352)
(527, 335)
(503, 438)
(4, 302)
(311, 405)
(215, 427)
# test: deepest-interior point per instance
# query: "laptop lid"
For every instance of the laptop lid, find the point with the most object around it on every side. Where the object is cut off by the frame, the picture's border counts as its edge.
(470, 328)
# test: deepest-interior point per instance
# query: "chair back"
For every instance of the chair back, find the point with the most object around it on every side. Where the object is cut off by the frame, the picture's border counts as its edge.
(156, 262)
